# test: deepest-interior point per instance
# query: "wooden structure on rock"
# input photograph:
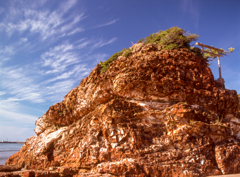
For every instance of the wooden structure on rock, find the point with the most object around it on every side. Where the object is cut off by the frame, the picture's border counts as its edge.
(220, 80)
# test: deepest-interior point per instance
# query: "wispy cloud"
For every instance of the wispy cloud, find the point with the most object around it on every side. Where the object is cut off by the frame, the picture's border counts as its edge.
(102, 43)
(59, 58)
(42, 57)
(27, 86)
(77, 30)
(76, 71)
(57, 72)
(9, 50)
(46, 23)
(66, 6)
(17, 116)
(62, 56)
(106, 24)
(2, 93)
(24, 39)
(16, 81)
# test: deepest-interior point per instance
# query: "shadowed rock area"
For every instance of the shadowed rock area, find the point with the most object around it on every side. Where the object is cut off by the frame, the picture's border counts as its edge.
(153, 112)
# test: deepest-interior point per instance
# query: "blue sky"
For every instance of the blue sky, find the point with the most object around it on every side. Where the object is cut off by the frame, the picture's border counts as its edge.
(48, 47)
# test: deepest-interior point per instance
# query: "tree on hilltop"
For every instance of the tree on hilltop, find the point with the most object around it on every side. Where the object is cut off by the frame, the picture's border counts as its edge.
(210, 57)
(176, 37)
(171, 38)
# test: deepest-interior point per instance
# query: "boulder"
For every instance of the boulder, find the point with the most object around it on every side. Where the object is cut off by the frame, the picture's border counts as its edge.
(152, 113)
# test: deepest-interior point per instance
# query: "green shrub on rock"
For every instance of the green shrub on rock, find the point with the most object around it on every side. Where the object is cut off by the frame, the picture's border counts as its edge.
(105, 64)
(169, 39)
(172, 38)
(125, 52)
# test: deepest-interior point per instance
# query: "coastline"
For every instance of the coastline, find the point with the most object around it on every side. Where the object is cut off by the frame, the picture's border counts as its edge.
(7, 149)
(13, 142)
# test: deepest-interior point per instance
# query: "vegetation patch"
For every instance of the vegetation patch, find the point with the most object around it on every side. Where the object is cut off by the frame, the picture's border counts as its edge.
(176, 37)
(172, 38)
(169, 39)
(218, 121)
(207, 56)
(125, 52)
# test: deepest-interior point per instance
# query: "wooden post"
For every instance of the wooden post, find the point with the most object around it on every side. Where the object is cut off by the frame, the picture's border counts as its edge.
(202, 51)
(219, 67)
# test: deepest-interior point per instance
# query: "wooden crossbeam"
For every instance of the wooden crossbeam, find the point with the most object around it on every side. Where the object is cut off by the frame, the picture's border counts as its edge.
(210, 47)
(213, 53)
(218, 55)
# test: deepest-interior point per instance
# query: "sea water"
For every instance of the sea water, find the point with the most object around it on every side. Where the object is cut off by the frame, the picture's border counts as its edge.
(8, 149)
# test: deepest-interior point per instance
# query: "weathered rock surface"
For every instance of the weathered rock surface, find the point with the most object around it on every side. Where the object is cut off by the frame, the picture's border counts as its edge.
(8, 168)
(153, 113)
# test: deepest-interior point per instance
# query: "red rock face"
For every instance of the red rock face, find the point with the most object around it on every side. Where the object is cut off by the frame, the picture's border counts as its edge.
(153, 113)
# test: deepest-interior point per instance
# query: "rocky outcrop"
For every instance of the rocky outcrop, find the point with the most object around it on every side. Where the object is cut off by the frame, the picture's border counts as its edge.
(152, 113)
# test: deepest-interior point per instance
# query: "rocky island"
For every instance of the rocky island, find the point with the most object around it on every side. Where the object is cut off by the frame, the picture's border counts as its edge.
(151, 110)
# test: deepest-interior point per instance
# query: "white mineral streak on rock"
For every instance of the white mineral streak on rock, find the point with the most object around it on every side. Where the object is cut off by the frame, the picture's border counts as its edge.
(157, 147)
(120, 137)
(141, 104)
(120, 131)
(186, 172)
(180, 129)
(72, 130)
(63, 136)
(195, 106)
(103, 150)
(159, 106)
(164, 98)
(192, 160)
(150, 118)
(38, 147)
(167, 140)
(96, 93)
(147, 105)
(202, 161)
(109, 164)
(114, 145)
(112, 133)
(71, 151)
(53, 136)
